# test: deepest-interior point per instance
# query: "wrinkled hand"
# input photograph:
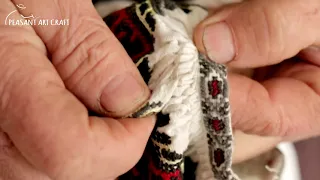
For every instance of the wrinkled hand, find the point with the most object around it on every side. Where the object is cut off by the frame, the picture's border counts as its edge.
(46, 130)
(283, 97)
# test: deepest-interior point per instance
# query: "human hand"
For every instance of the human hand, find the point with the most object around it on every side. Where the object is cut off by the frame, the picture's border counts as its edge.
(282, 99)
(46, 130)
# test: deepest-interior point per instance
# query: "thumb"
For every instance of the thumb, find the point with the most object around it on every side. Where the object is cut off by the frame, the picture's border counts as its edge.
(258, 33)
(91, 61)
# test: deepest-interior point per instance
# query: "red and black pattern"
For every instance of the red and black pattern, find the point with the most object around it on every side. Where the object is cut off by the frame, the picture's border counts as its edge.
(214, 88)
(217, 125)
(159, 162)
(216, 114)
(131, 32)
(138, 42)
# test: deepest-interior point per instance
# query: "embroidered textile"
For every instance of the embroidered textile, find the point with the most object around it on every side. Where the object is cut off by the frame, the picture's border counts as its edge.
(193, 135)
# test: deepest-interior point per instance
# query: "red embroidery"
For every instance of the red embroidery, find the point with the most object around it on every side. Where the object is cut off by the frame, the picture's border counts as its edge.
(138, 42)
(217, 125)
(155, 173)
(215, 88)
(135, 172)
(131, 33)
(219, 157)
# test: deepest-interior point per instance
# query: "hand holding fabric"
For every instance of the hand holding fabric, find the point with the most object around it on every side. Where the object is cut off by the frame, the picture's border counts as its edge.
(46, 130)
(283, 97)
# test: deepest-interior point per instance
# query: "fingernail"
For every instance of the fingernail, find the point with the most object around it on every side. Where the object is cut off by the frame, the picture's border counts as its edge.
(123, 95)
(218, 42)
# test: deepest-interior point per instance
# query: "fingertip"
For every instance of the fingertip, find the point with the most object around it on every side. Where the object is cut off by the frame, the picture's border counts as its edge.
(140, 126)
(218, 42)
(214, 37)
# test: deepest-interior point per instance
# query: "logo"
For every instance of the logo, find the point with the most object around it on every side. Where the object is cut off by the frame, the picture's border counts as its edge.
(32, 20)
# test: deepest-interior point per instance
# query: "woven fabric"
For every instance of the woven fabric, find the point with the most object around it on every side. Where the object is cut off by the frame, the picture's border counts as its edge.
(193, 135)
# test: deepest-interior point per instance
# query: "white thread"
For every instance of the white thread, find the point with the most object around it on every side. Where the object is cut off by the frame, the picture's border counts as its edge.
(175, 67)
(175, 81)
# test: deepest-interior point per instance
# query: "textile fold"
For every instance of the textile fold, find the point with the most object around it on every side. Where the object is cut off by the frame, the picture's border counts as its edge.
(193, 137)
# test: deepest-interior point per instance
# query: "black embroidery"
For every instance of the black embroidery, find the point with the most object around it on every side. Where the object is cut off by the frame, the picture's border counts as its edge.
(189, 169)
(219, 157)
(161, 138)
(151, 21)
(162, 119)
(172, 156)
(145, 70)
(143, 8)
